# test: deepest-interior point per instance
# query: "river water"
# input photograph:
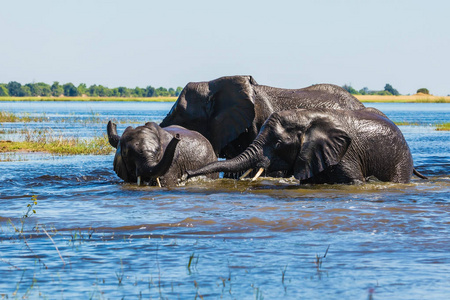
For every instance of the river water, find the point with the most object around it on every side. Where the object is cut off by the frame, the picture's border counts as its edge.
(92, 236)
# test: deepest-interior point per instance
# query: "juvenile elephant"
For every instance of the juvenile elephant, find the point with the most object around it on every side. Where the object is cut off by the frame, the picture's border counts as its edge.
(230, 111)
(158, 155)
(326, 146)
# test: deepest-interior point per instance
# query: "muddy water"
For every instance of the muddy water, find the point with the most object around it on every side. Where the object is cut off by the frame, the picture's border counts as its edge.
(235, 240)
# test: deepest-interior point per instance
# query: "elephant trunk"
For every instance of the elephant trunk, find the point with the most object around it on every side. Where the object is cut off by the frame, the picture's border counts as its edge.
(250, 158)
(164, 164)
(113, 137)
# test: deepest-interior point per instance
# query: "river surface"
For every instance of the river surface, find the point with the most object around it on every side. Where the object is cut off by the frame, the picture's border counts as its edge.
(91, 236)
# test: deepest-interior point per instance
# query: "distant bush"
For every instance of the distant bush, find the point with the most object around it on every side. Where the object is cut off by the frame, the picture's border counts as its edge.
(423, 91)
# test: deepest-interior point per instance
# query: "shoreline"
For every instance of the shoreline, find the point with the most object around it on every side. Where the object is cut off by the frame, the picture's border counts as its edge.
(418, 98)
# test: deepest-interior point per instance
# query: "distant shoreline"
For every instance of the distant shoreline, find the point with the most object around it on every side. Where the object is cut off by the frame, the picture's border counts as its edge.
(418, 98)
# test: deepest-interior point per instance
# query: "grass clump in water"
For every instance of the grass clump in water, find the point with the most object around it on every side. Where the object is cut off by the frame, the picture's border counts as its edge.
(443, 127)
(46, 141)
(6, 116)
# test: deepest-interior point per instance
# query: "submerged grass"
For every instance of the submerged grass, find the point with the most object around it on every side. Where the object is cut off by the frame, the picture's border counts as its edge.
(46, 141)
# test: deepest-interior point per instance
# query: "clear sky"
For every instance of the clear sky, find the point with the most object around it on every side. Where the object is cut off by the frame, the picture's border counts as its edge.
(289, 44)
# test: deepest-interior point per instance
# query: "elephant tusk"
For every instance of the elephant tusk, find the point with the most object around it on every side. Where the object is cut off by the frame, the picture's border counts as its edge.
(245, 174)
(258, 174)
(139, 180)
(157, 180)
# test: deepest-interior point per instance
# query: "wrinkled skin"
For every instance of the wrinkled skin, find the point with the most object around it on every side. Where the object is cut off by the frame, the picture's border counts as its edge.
(230, 111)
(152, 152)
(326, 146)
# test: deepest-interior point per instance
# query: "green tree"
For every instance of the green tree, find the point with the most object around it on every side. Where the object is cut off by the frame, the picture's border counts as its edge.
(25, 91)
(56, 89)
(124, 92)
(150, 91)
(178, 91)
(70, 90)
(103, 91)
(423, 91)
(82, 89)
(3, 90)
(115, 92)
(93, 91)
(349, 89)
(14, 89)
(138, 92)
(364, 91)
(45, 89)
(161, 92)
(391, 90)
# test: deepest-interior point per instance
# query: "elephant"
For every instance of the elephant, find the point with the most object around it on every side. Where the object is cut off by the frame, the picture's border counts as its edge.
(158, 155)
(229, 111)
(320, 146)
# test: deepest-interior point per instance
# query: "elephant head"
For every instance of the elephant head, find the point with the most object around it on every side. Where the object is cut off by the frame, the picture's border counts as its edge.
(303, 142)
(221, 110)
(230, 111)
(143, 153)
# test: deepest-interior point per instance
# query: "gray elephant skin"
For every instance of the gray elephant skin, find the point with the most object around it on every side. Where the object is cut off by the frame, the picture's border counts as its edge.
(230, 111)
(326, 146)
(159, 156)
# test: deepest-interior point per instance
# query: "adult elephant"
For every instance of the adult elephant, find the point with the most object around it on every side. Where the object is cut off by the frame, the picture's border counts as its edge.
(326, 146)
(158, 155)
(230, 111)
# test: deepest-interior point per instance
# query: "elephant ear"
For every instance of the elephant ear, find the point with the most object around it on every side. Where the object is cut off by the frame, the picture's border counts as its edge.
(233, 109)
(323, 145)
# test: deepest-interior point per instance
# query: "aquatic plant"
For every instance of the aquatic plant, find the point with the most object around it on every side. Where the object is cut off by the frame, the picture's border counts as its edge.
(44, 140)
(192, 259)
(443, 127)
(6, 116)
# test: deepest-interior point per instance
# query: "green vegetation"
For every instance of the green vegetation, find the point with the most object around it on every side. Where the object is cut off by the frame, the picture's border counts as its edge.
(41, 89)
(141, 99)
(388, 91)
(46, 141)
(423, 91)
(443, 127)
(11, 117)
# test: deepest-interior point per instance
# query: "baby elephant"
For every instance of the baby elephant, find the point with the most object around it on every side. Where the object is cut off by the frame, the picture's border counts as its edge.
(158, 155)
(325, 146)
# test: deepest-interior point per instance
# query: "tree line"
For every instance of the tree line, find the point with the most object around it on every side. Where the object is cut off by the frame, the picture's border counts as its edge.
(388, 90)
(41, 89)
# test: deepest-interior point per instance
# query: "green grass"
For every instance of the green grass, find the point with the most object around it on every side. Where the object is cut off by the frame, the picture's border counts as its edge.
(116, 99)
(406, 123)
(6, 116)
(46, 141)
(443, 127)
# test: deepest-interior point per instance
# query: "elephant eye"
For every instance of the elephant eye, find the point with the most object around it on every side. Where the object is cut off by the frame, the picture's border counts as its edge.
(278, 144)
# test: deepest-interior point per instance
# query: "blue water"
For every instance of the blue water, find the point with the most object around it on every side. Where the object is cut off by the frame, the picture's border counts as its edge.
(217, 239)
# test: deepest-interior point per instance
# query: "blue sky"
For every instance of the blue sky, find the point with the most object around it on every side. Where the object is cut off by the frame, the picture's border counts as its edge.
(289, 44)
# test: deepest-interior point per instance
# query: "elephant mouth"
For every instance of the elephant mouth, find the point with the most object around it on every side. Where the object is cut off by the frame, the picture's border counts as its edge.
(148, 181)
